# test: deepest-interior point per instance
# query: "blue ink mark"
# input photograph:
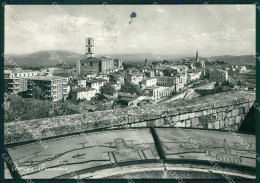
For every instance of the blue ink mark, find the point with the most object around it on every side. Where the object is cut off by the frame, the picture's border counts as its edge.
(132, 15)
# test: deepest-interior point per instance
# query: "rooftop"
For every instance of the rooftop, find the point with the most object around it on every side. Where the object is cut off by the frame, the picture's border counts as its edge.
(128, 99)
(123, 94)
(219, 70)
(194, 70)
(160, 88)
(47, 78)
(20, 71)
(96, 59)
(96, 80)
(146, 79)
(76, 90)
(136, 74)
(92, 59)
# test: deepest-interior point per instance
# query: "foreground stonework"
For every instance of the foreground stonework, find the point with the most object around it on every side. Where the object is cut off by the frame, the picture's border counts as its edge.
(139, 152)
(220, 111)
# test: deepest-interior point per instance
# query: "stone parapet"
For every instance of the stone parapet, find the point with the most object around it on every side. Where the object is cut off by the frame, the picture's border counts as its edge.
(220, 111)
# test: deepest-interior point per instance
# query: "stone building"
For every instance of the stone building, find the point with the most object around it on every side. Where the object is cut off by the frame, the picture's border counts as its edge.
(91, 64)
(158, 92)
(218, 75)
(116, 78)
(135, 78)
(195, 63)
(96, 84)
(195, 75)
(150, 73)
(83, 93)
(102, 76)
(183, 78)
(148, 82)
(180, 68)
(167, 81)
(146, 62)
(200, 64)
(241, 69)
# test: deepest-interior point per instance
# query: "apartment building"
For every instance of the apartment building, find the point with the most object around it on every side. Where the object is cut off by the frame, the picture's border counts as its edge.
(15, 81)
(52, 88)
(218, 75)
(15, 85)
(20, 73)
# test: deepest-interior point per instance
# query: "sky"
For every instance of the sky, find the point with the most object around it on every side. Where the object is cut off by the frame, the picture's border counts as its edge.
(156, 29)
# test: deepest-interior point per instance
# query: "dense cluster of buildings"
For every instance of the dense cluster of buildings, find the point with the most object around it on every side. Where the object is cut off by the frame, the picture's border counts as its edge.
(155, 81)
(33, 84)
(55, 84)
(16, 81)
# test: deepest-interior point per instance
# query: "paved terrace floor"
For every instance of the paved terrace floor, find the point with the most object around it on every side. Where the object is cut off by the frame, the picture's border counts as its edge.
(137, 153)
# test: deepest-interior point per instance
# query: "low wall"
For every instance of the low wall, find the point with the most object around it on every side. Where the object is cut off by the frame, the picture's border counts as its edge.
(220, 111)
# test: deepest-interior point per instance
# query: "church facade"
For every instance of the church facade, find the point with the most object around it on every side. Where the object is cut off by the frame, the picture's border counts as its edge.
(91, 64)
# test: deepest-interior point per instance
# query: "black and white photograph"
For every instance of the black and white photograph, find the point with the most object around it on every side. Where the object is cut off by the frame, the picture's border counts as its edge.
(130, 91)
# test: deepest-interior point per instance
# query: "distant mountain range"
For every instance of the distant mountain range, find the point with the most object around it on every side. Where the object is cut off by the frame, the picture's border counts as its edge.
(43, 58)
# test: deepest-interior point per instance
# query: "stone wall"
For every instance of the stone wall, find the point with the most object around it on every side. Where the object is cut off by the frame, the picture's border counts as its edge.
(220, 111)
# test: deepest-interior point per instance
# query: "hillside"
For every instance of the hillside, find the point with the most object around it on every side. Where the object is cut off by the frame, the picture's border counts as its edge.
(42, 58)
(237, 60)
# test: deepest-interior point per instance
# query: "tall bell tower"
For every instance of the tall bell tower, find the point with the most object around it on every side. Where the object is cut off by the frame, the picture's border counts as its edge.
(197, 55)
(90, 47)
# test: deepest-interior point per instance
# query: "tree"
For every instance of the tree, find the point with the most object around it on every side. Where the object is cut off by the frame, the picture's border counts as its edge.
(108, 89)
(128, 87)
(30, 108)
(169, 72)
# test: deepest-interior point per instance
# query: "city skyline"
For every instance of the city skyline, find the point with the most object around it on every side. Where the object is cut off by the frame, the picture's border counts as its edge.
(154, 32)
(116, 91)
